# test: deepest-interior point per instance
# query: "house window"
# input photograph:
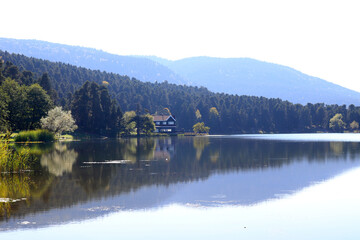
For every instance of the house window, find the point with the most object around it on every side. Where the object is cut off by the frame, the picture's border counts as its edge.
(164, 123)
(171, 123)
(157, 123)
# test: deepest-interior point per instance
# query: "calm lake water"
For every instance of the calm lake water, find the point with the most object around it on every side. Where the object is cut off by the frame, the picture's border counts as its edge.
(286, 186)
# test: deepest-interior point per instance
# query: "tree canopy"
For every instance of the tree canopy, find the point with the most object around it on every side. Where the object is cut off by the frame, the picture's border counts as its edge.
(22, 106)
(96, 108)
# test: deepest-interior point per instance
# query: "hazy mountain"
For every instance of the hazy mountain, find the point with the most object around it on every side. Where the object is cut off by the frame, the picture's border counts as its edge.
(140, 68)
(244, 76)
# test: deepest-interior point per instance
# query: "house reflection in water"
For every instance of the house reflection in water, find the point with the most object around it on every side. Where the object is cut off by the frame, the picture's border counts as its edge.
(165, 149)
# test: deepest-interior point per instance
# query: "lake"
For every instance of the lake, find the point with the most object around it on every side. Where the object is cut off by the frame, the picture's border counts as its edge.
(283, 186)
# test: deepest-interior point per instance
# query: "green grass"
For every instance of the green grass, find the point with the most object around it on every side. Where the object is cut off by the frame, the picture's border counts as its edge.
(14, 161)
(9, 137)
(39, 135)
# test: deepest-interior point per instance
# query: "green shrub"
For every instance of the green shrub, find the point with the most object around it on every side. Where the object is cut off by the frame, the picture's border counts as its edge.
(39, 135)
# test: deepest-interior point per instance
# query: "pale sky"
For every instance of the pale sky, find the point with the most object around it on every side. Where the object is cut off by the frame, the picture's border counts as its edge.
(316, 37)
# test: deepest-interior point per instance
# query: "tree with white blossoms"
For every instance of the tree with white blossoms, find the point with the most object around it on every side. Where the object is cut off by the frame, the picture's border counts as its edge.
(58, 121)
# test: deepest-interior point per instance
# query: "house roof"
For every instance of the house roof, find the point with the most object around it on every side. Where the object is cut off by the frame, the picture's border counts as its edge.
(162, 117)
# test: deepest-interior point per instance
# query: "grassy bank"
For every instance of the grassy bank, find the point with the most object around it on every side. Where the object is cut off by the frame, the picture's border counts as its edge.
(12, 160)
(39, 135)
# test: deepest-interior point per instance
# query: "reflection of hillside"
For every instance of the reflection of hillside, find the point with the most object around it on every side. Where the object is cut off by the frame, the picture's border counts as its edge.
(148, 168)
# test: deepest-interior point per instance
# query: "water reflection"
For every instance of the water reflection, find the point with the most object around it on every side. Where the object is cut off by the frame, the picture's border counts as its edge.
(199, 144)
(59, 160)
(87, 179)
(18, 192)
(13, 189)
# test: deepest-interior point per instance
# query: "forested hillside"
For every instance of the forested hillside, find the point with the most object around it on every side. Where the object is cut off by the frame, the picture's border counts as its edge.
(241, 76)
(224, 113)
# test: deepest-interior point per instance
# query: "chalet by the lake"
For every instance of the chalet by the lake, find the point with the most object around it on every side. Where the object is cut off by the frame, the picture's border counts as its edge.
(165, 123)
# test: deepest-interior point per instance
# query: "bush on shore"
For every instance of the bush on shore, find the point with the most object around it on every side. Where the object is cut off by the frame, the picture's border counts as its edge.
(39, 135)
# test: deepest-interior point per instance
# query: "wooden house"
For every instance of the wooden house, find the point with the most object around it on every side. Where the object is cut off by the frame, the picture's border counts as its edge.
(165, 123)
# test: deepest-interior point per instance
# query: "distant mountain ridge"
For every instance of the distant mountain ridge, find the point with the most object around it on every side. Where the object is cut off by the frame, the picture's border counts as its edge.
(241, 76)
(143, 69)
(245, 76)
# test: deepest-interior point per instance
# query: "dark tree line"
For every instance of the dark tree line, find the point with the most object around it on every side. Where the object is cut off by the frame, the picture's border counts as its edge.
(94, 110)
(223, 113)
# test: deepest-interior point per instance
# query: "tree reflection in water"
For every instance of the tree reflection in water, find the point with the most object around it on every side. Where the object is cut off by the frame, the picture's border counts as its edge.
(59, 160)
(200, 143)
(137, 149)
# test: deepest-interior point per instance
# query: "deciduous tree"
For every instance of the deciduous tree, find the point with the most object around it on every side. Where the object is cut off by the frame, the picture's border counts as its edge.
(39, 103)
(337, 123)
(200, 128)
(4, 99)
(198, 114)
(16, 104)
(354, 125)
(58, 121)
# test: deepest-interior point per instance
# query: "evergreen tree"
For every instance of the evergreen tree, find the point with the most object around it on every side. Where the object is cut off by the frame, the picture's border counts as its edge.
(94, 111)
(46, 84)
(97, 117)
(11, 71)
(2, 78)
(27, 78)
